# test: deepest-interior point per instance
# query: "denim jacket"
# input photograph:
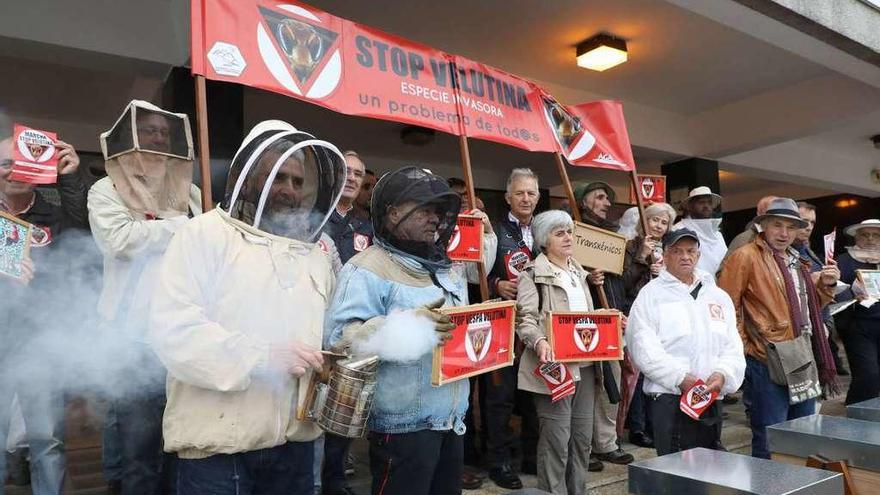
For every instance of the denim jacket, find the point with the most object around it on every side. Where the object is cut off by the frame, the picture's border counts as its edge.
(371, 285)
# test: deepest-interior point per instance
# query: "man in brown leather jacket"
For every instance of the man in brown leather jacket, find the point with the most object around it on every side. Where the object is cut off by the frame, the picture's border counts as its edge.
(777, 299)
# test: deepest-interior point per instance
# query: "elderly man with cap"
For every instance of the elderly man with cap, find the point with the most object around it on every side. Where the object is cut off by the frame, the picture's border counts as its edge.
(237, 318)
(778, 301)
(682, 328)
(386, 306)
(860, 324)
(594, 200)
(700, 217)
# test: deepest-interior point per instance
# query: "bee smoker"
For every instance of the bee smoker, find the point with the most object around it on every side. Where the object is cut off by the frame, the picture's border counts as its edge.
(343, 398)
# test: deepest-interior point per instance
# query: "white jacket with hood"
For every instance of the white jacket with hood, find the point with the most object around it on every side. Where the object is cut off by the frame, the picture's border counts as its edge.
(670, 333)
(227, 292)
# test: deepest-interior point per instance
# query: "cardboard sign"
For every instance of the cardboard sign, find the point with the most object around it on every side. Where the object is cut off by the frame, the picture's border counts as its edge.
(696, 400)
(599, 249)
(15, 243)
(558, 379)
(482, 341)
(585, 336)
(299, 51)
(829, 240)
(34, 155)
(870, 280)
(466, 243)
(652, 189)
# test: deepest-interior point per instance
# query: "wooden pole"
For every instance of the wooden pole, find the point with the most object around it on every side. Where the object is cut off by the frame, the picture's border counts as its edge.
(566, 183)
(638, 192)
(576, 215)
(472, 201)
(204, 153)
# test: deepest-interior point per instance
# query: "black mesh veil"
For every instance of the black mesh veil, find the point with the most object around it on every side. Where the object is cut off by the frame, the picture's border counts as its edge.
(424, 190)
(284, 181)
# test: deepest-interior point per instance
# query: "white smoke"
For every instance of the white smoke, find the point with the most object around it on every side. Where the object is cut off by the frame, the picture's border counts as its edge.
(404, 337)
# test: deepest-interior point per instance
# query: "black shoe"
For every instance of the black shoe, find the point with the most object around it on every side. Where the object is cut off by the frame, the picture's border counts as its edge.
(729, 400)
(529, 467)
(841, 369)
(616, 457)
(595, 465)
(504, 477)
(470, 480)
(641, 439)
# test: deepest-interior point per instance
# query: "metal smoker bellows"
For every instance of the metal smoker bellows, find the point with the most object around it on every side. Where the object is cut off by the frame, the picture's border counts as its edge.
(342, 405)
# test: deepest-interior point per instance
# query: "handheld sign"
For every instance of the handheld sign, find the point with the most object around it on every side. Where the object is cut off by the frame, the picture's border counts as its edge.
(466, 243)
(34, 155)
(558, 379)
(599, 249)
(652, 189)
(696, 400)
(15, 242)
(482, 341)
(585, 336)
(829, 245)
(870, 280)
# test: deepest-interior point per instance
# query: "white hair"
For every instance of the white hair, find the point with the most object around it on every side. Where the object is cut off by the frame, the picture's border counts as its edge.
(545, 223)
(520, 173)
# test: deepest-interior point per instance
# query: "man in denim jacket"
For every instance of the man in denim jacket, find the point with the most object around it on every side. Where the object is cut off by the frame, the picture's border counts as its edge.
(384, 295)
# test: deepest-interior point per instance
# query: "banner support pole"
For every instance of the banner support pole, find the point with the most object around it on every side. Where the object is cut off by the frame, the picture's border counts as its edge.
(204, 153)
(639, 202)
(472, 202)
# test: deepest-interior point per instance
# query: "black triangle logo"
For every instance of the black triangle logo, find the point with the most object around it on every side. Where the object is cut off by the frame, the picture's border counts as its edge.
(303, 46)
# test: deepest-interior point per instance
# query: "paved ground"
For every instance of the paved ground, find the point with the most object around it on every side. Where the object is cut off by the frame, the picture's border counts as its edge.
(84, 459)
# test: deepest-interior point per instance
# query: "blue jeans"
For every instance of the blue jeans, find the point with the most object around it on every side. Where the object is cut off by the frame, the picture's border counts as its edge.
(282, 470)
(43, 412)
(768, 405)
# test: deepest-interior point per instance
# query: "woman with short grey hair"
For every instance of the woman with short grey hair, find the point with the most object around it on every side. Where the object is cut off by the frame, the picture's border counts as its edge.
(555, 282)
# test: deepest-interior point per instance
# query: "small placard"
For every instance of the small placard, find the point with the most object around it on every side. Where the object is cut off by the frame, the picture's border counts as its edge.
(558, 379)
(466, 243)
(35, 156)
(829, 240)
(599, 249)
(482, 341)
(585, 336)
(15, 243)
(651, 188)
(870, 280)
(697, 399)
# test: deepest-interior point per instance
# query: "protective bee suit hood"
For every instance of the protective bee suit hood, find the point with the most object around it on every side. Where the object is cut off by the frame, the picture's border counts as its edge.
(426, 191)
(148, 154)
(284, 182)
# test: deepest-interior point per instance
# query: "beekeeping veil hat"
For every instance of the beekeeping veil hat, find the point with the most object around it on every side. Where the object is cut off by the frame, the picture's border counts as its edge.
(284, 181)
(426, 192)
(148, 155)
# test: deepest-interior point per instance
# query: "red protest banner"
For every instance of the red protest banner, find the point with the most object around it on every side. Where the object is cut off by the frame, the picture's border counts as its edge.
(585, 336)
(466, 243)
(482, 341)
(595, 135)
(651, 188)
(34, 155)
(297, 50)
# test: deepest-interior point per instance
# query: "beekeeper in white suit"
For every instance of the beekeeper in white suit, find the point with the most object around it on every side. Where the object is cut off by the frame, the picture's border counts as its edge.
(237, 318)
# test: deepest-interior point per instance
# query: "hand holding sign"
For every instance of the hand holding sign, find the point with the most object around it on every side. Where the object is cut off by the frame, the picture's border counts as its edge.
(68, 160)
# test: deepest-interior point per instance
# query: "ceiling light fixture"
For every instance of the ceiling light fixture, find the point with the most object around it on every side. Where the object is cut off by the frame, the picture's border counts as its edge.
(601, 52)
